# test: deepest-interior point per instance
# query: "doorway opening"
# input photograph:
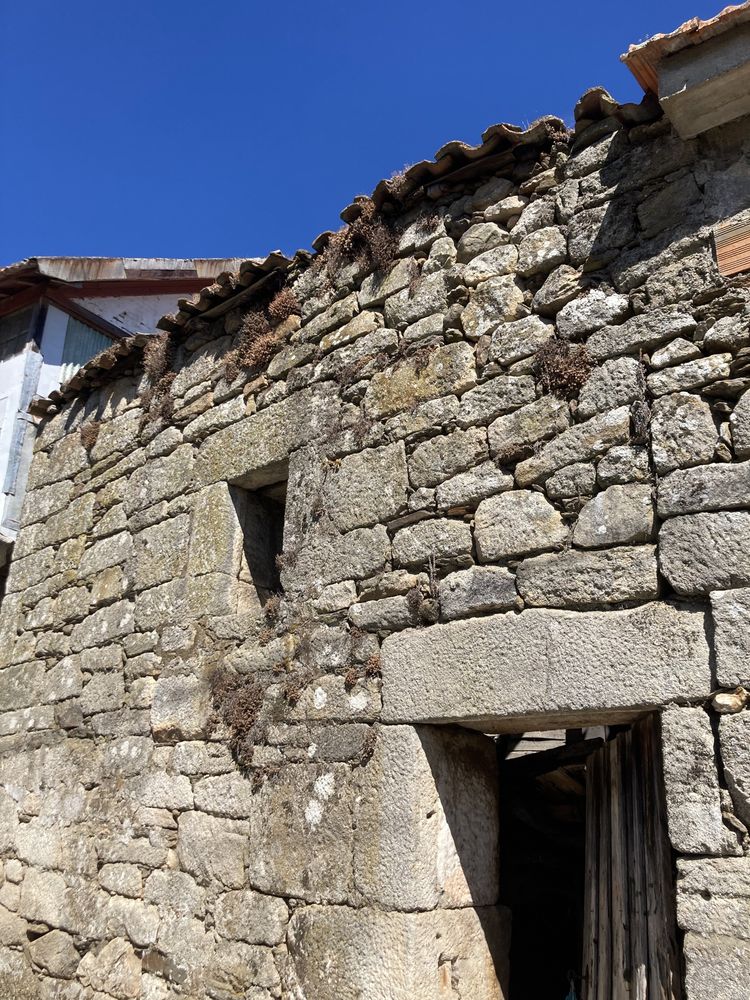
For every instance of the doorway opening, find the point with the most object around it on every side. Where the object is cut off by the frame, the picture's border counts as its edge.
(585, 864)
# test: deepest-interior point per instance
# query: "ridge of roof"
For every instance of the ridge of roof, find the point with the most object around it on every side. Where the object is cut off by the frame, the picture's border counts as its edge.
(643, 58)
(454, 161)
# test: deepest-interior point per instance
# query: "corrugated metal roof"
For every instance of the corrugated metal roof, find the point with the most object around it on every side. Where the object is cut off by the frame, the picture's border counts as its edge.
(643, 59)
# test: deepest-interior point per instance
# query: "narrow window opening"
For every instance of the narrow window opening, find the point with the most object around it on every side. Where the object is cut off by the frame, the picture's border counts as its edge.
(261, 517)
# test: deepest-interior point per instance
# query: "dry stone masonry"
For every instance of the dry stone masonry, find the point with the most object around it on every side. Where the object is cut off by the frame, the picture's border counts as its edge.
(337, 530)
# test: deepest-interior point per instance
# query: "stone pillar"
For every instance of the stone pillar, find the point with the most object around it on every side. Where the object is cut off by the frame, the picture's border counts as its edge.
(424, 923)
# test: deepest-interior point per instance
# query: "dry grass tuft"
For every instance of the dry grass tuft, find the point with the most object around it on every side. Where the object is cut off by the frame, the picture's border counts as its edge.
(237, 701)
(283, 305)
(90, 433)
(562, 368)
(372, 666)
(350, 678)
(254, 347)
(158, 354)
(370, 240)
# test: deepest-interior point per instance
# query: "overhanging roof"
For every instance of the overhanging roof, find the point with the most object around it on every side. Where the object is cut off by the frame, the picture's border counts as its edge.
(644, 58)
(25, 274)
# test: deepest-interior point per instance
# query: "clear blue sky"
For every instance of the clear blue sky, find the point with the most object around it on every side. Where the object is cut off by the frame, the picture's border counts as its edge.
(216, 129)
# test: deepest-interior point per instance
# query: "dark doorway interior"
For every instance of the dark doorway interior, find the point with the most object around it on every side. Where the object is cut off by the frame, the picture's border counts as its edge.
(542, 866)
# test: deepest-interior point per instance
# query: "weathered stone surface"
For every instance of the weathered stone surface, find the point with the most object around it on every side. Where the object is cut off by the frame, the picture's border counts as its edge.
(67, 904)
(427, 296)
(403, 956)
(617, 382)
(114, 969)
(55, 953)
(591, 312)
(181, 708)
(426, 827)
(536, 215)
(704, 552)
(249, 916)
(161, 552)
(490, 399)
(620, 515)
(734, 739)
(301, 834)
(690, 375)
(368, 487)
(713, 897)
(477, 590)
(103, 693)
(21, 686)
(596, 234)
(716, 967)
(444, 456)
(576, 480)
(587, 579)
(731, 616)
(160, 479)
(559, 288)
(541, 251)
(109, 623)
(622, 464)
(545, 665)
(496, 300)
(704, 488)
(447, 542)
(683, 432)
(212, 849)
(642, 332)
(323, 560)
(515, 524)
(450, 369)
(675, 352)
(740, 424)
(490, 264)
(520, 339)
(691, 784)
(215, 535)
(467, 488)
(478, 239)
(513, 434)
(66, 458)
(389, 614)
(577, 444)
(254, 451)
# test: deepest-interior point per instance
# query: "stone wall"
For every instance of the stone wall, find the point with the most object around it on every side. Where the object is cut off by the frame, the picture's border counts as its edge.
(517, 460)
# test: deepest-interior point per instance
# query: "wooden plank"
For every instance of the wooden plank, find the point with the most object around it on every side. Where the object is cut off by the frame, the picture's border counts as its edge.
(637, 874)
(620, 922)
(591, 888)
(604, 917)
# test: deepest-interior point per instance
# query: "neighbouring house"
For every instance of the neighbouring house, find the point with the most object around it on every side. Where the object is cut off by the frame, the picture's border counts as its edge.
(56, 313)
(381, 629)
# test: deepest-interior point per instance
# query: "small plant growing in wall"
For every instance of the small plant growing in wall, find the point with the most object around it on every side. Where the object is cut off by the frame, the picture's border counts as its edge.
(237, 701)
(90, 434)
(158, 354)
(562, 368)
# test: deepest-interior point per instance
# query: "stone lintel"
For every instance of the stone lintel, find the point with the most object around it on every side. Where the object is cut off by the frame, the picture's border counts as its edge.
(511, 672)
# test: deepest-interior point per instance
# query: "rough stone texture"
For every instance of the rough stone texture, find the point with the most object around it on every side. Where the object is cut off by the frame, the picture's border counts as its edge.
(734, 739)
(450, 369)
(731, 617)
(577, 444)
(584, 579)
(447, 542)
(517, 670)
(512, 435)
(496, 300)
(703, 552)
(704, 488)
(367, 488)
(426, 820)
(614, 384)
(405, 956)
(476, 591)
(682, 432)
(740, 421)
(691, 785)
(620, 515)
(442, 457)
(200, 790)
(515, 524)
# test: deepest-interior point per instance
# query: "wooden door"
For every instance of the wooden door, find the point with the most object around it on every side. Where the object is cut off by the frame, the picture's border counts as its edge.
(630, 946)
